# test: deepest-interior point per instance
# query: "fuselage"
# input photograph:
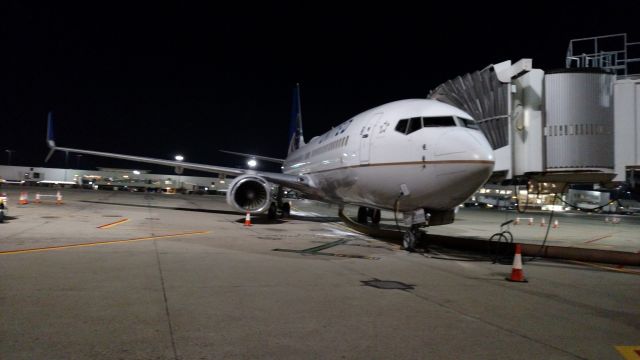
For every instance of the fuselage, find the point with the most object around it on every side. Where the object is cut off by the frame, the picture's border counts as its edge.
(430, 148)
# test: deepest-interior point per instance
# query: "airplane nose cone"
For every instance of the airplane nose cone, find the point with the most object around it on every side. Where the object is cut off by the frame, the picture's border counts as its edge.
(464, 161)
(464, 145)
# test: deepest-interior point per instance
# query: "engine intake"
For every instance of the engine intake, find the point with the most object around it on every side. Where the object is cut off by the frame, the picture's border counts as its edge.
(249, 193)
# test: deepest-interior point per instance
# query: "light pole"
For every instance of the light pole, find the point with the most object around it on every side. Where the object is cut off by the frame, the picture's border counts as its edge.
(78, 161)
(179, 158)
(9, 156)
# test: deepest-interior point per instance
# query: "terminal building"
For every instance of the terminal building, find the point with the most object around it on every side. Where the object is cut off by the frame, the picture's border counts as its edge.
(113, 179)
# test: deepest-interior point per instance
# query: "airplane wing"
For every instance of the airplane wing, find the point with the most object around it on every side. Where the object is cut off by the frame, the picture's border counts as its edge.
(297, 182)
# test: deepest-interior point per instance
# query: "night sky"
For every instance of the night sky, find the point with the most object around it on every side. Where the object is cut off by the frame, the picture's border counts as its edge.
(154, 80)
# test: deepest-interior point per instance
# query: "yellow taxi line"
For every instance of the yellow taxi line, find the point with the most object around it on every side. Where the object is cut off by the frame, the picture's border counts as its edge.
(626, 271)
(62, 247)
(629, 352)
(115, 223)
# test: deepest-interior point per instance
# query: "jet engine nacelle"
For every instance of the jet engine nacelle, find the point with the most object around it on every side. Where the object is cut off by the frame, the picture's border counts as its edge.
(249, 193)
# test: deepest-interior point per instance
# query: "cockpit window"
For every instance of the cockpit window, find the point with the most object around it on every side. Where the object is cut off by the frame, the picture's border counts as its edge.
(439, 121)
(415, 124)
(407, 126)
(469, 123)
(402, 125)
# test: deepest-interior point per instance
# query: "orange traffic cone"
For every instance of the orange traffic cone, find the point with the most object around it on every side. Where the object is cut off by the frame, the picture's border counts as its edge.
(555, 224)
(24, 198)
(37, 198)
(516, 272)
(517, 221)
(530, 221)
(542, 223)
(247, 219)
(58, 198)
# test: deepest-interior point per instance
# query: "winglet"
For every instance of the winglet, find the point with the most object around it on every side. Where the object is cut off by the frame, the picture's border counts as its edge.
(50, 142)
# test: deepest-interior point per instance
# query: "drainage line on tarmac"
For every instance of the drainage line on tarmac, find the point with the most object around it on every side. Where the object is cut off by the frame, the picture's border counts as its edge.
(325, 246)
(316, 250)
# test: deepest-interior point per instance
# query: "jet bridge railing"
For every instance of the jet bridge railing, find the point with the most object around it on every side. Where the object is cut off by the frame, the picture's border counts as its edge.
(610, 52)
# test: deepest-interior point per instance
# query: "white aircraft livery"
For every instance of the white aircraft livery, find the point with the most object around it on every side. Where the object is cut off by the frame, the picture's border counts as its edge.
(419, 157)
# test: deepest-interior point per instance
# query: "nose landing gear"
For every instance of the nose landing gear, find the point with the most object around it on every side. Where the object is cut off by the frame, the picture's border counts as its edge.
(417, 219)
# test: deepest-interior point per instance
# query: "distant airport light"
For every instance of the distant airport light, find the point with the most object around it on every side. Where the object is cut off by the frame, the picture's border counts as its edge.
(252, 163)
(136, 172)
(179, 157)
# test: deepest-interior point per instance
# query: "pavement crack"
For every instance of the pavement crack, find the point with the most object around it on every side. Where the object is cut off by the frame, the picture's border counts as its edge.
(166, 303)
(494, 325)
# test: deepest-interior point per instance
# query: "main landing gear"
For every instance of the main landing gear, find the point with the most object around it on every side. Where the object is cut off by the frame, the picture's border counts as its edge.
(416, 219)
(281, 211)
(279, 208)
(365, 213)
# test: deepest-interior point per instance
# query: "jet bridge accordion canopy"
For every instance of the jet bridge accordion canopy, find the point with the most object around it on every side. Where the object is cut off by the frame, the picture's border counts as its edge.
(482, 96)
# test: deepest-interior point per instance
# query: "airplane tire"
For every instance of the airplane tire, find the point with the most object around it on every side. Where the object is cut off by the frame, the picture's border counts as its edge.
(362, 215)
(273, 212)
(375, 218)
(286, 210)
(409, 240)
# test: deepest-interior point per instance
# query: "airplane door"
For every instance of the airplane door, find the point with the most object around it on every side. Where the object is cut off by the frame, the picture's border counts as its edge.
(366, 137)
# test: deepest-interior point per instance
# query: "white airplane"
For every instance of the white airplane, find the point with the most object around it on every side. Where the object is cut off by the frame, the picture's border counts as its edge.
(414, 156)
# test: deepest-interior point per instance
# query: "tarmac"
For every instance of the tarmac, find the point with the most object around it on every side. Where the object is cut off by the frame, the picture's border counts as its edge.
(118, 275)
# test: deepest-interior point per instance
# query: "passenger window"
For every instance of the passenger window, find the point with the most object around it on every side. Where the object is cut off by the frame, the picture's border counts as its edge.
(414, 125)
(439, 121)
(402, 125)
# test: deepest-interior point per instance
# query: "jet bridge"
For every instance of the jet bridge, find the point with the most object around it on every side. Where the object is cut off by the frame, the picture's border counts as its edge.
(558, 126)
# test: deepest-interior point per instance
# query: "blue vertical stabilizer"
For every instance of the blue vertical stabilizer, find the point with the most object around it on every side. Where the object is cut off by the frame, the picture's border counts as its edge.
(295, 128)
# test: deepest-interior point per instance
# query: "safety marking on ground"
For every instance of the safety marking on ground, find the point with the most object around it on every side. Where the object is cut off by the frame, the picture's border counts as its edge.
(603, 267)
(115, 223)
(63, 247)
(629, 352)
(350, 231)
(338, 228)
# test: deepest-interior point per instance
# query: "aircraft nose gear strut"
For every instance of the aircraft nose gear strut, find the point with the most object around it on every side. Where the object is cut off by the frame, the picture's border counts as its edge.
(417, 219)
